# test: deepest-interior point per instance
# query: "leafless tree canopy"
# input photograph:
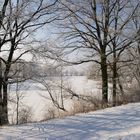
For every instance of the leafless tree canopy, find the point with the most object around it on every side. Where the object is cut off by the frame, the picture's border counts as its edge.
(105, 32)
(100, 32)
(19, 21)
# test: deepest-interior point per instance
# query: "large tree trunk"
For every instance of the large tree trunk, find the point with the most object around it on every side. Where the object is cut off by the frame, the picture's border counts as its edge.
(104, 80)
(4, 119)
(1, 97)
(5, 85)
(2, 14)
(1, 102)
(114, 70)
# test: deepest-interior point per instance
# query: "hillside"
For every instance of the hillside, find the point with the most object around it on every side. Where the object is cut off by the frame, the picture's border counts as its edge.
(118, 123)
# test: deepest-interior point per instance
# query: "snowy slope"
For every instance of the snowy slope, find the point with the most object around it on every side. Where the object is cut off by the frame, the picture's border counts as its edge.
(119, 123)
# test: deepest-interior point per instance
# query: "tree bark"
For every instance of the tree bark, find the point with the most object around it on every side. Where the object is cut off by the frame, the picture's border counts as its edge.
(1, 94)
(104, 79)
(114, 70)
(121, 88)
(1, 102)
(5, 105)
(114, 83)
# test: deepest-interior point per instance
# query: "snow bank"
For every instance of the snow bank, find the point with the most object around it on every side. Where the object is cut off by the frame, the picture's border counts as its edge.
(118, 123)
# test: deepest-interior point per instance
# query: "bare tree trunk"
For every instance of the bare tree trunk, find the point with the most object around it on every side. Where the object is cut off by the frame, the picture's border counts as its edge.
(114, 83)
(0, 92)
(103, 54)
(104, 80)
(114, 70)
(121, 88)
(17, 104)
(114, 67)
(1, 102)
(4, 106)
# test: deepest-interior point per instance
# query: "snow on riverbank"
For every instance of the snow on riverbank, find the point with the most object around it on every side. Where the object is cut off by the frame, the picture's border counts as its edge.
(32, 91)
(118, 123)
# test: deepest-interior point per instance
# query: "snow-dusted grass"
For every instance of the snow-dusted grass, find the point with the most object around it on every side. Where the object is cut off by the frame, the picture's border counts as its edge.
(118, 123)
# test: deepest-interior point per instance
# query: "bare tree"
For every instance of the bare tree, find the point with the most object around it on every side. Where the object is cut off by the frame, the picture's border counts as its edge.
(92, 28)
(2, 15)
(135, 50)
(16, 99)
(19, 21)
(54, 90)
(119, 41)
(19, 95)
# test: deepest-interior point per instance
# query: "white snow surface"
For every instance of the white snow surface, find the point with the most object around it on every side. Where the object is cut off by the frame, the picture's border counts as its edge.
(32, 92)
(117, 123)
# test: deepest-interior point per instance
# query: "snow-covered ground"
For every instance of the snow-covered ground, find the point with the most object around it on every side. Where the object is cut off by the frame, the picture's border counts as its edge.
(118, 123)
(33, 90)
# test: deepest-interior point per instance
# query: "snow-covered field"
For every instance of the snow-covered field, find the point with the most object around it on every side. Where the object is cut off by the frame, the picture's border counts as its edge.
(118, 123)
(32, 91)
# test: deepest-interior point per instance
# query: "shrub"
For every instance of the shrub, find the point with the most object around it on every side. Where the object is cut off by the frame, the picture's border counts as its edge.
(25, 115)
